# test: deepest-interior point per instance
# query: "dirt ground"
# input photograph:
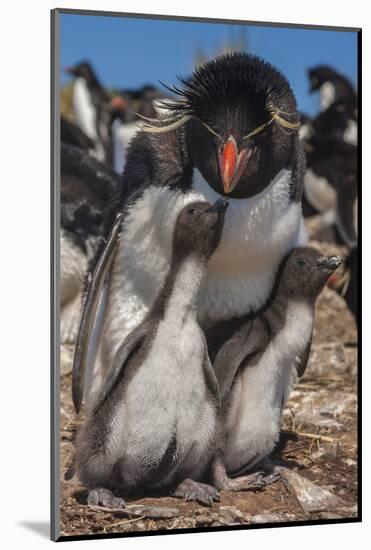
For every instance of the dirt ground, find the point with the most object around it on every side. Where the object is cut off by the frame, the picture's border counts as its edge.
(318, 453)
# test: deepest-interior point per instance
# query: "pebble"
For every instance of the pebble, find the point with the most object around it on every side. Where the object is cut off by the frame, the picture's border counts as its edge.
(311, 497)
(203, 520)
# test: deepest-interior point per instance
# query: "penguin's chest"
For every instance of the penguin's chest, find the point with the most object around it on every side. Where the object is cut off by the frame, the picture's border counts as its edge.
(167, 399)
(84, 109)
(260, 392)
(257, 233)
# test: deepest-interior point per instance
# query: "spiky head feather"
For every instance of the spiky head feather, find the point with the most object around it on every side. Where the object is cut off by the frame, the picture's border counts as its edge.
(226, 83)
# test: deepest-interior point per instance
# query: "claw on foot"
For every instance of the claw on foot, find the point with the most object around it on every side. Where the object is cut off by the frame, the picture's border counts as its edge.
(194, 490)
(250, 482)
(104, 497)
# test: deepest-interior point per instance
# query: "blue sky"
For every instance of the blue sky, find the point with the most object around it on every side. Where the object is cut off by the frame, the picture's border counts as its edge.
(127, 53)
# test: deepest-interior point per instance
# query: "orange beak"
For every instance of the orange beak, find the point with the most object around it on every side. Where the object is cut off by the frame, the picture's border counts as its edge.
(119, 103)
(232, 164)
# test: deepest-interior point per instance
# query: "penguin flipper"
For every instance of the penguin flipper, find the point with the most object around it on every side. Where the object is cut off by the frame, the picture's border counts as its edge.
(303, 358)
(91, 301)
(232, 354)
(130, 345)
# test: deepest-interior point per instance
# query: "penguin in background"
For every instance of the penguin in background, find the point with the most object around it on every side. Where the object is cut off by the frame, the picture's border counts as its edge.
(71, 134)
(331, 185)
(124, 125)
(256, 359)
(91, 107)
(128, 109)
(87, 187)
(154, 422)
(330, 182)
(338, 122)
(331, 86)
(347, 284)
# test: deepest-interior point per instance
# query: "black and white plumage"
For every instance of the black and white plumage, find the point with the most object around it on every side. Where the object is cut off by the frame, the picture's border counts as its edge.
(71, 134)
(202, 158)
(347, 283)
(254, 365)
(332, 86)
(331, 184)
(92, 109)
(338, 121)
(129, 108)
(330, 143)
(87, 187)
(154, 422)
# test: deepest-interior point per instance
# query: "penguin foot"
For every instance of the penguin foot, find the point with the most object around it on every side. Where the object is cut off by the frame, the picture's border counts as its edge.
(268, 479)
(194, 490)
(250, 482)
(104, 497)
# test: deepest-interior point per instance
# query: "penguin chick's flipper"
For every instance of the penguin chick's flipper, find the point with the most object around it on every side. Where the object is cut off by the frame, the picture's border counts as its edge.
(230, 357)
(303, 359)
(104, 497)
(130, 345)
(195, 490)
(91, 301)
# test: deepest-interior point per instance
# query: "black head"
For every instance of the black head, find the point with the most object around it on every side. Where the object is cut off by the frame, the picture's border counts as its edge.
(304, 272)
(198, 229)
(320, 75)
(241, 116)
(83, 70)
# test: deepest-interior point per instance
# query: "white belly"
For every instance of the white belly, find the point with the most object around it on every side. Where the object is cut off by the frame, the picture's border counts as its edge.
(166, 398)
(122, 134)
(260, 392)
(327, 95)
(257, 234)
(83, 108)
(351, 132)
(320, 194)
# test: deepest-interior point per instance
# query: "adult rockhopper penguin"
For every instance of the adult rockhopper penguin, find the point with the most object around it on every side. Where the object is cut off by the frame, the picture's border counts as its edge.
(232, 132)
(332, 86)
(92, 109)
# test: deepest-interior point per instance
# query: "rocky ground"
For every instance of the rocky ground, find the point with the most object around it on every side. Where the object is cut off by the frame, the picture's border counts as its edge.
(318, 453)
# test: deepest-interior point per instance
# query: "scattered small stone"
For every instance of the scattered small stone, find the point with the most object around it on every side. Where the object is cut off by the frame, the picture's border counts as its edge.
(231, 511)
(265, 518)
(311, 497)
(345, 512)
(154, 512)
(136, 510)
(230, 515)
(203, 520)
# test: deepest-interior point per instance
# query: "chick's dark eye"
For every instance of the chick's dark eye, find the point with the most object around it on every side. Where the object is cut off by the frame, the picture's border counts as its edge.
(301, 262)
(191, 211)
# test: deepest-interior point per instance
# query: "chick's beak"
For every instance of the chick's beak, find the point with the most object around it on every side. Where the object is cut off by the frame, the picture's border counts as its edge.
(232, 164)
(328, 264)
